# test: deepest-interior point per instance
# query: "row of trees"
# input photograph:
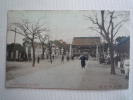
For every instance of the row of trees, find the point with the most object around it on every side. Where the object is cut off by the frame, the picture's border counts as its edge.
(31, 31)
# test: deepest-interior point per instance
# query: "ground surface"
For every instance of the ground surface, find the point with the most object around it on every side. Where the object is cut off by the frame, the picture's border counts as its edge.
(68, 75)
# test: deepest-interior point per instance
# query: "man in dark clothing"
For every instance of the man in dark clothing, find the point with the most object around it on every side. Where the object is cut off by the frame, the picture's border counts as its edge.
(47, 56)
(83, 58)
(62, 58)
(53, 56)
(38, 59)
(67, 58)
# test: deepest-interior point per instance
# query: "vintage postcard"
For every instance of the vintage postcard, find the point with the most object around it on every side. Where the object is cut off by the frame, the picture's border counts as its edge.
(68, 49)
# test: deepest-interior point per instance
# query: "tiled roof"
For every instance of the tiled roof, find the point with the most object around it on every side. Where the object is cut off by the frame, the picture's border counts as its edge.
(86, 41)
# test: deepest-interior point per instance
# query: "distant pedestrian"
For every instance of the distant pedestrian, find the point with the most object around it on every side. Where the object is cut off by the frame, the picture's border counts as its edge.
(47, 56)
(116, 60)
(67, 58)
(126, 67)
(62, 59)
(83, 58)
(53, 56)
(38, 59)
(72, 58)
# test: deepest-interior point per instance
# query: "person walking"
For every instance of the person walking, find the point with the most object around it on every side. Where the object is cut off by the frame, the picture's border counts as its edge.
(62, 59)
(83, 58)
(126, 67)
(38, 59)
(72, 57)
(67, 58)
(53, 56)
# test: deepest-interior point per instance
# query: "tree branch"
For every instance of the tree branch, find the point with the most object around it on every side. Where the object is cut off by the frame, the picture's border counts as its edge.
(91, 19)
(124, 20)
(110, 22)
(95, 29)
(119, 28)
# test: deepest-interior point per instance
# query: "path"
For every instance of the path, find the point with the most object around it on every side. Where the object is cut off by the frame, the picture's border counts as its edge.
(67, 75)
(70, 75)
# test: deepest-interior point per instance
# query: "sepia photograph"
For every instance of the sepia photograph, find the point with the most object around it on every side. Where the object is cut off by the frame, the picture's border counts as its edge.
(68, 49)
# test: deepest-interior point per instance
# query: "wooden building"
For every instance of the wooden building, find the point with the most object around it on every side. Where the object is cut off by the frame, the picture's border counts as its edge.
(87, 45)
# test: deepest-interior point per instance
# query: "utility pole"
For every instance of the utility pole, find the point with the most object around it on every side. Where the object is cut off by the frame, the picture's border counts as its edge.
(14, 51)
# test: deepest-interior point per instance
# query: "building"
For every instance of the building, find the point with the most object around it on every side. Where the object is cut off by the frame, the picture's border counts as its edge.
(123, 46)
(38, 50)
(57, 47)
(88, 45)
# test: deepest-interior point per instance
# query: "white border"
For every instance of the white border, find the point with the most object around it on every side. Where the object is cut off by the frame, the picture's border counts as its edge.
(50, 94)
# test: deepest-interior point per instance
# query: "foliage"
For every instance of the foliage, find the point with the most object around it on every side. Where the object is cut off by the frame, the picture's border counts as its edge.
(26, 41)
(118, 39)
(10, 47)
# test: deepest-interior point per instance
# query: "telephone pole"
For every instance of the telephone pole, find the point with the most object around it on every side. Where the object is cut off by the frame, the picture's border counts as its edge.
(14, 51)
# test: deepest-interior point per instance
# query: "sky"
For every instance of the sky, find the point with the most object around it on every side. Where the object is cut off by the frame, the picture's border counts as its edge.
(62, 24)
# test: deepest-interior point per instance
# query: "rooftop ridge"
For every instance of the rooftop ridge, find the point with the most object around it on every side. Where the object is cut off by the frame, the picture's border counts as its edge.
(86, 37)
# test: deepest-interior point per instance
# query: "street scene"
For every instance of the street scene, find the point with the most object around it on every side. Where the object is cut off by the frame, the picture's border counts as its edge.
(87, 50)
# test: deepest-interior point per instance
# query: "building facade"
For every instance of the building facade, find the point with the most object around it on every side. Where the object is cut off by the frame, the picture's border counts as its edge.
(85, 45)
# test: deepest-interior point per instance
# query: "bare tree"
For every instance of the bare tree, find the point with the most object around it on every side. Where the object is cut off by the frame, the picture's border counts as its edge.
(108, 25)
(42, 40)
(29, 30)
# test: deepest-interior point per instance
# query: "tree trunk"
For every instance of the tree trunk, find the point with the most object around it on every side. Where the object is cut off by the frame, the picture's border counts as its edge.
(50, 58)
(25, 56)
(33, 63)
(42, 53)
(50, 55)
(111, 50)
(18, 55)
(14, 49)
(14, 54)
